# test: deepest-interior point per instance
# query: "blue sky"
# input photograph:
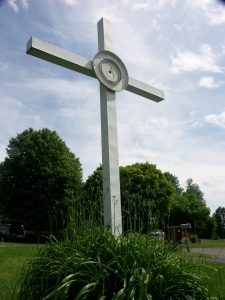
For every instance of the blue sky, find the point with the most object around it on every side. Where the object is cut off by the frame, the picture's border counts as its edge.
(177, 46)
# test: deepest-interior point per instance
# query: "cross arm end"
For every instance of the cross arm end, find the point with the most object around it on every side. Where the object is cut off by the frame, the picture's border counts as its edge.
(59, 56)
(142, 89)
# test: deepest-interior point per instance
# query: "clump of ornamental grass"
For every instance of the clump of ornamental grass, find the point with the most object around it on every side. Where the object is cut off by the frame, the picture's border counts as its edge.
(96, 265)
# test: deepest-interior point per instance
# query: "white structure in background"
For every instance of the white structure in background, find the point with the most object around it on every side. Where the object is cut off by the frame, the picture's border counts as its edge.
(113, 76)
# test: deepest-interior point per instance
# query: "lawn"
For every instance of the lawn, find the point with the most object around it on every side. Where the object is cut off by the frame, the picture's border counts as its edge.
(215, 271)
(12, 258)
(208, 244)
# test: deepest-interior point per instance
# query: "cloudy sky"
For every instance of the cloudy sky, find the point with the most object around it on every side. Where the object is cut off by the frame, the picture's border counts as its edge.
(177, 46)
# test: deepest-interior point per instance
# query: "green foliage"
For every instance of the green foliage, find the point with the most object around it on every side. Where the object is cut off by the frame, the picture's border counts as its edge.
(92, 205)
(95, 265)
(209, 231)
(219, 216)
(40, 180)
(194, 238)
(145, 196)
(175, 181)
(215, 280)
(189, 206)
(151, 199)
(198, 211)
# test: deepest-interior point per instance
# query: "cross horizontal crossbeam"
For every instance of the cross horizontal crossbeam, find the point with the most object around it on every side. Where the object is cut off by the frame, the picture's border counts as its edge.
(69, 60)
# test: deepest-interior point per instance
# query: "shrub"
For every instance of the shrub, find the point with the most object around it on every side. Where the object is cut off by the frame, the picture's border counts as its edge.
(96, 265)
(194, 238)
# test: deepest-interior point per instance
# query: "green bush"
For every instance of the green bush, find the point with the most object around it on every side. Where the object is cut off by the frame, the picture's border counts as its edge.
(96, 265)
(194, 238)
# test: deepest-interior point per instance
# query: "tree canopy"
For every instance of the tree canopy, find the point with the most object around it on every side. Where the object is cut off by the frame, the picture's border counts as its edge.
(151, 198)
(145, 195)
(41, 184)
(40, 180)
(188, 206)
(220, 222)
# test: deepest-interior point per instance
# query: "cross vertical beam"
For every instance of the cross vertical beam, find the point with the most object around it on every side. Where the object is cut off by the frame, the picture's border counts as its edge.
(110, 160)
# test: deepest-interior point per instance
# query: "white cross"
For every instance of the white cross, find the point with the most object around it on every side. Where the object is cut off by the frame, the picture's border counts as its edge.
(112, 74)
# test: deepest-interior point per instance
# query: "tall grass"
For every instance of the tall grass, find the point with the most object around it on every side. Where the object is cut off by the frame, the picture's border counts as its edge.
(215, 280)
(90, 263)
(96, 265)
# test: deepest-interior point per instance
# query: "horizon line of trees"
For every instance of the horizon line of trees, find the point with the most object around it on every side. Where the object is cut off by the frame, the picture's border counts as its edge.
(41, 184)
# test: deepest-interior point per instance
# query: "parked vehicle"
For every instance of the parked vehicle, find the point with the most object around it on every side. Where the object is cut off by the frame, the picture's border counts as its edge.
(159, 234)
(12, 232)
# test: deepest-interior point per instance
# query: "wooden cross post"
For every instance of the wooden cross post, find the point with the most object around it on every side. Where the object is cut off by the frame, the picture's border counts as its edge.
(113, 76)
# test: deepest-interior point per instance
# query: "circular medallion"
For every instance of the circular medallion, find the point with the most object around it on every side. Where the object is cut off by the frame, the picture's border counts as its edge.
(110, 70)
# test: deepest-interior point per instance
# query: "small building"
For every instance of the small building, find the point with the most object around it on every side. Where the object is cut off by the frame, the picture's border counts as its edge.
(175, 234)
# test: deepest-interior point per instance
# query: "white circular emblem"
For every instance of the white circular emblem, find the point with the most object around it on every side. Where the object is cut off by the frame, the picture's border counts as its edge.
(110, 70)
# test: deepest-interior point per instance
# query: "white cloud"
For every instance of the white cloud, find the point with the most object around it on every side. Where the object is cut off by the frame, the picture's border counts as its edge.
(139, 6)
(24, 3)
(189, 61)
(153, 123)
(70, 2)
(2, 152)
(216, 119)
(155, 25)
(14, 4)
(111, 12)
(222, 50)
(66, 90)
(212, 9)
(152, 5)
(208, 82)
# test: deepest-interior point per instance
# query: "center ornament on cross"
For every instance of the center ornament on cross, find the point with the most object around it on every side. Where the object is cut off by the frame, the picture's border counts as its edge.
(112, 74)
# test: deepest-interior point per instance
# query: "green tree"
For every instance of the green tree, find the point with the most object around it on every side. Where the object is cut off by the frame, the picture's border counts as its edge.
(220, 222)
(189, 206)
(209, 231)
(40, 180)
(198, 212)
(175, 182)
(145, 195)
(177, 212)
(92, 205)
